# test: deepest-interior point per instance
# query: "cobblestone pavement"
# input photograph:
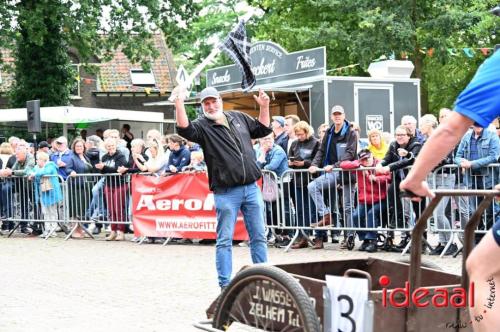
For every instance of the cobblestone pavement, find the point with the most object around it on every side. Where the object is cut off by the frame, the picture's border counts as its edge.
(87, 285)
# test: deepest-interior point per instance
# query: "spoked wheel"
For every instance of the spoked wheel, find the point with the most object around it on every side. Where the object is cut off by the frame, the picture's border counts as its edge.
(268, 299)
(351, 241)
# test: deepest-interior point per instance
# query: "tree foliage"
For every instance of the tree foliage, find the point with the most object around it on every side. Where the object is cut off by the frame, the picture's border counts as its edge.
(360, 31)
(42, 28)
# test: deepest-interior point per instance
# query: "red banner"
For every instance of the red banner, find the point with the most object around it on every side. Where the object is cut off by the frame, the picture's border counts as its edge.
(179, 206)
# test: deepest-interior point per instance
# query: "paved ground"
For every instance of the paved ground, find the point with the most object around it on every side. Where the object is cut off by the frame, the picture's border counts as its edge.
(87, 285)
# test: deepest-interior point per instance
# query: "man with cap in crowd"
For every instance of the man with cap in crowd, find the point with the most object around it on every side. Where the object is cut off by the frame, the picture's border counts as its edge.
(280, 134)
(44, 147)
(372, 192)
(62, 157)
(339, 143)
(225, 138)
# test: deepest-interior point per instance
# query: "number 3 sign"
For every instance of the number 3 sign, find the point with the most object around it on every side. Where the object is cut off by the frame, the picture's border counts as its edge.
(349, 308)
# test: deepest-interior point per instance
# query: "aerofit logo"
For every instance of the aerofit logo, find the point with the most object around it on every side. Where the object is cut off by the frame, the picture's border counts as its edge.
(457, 297)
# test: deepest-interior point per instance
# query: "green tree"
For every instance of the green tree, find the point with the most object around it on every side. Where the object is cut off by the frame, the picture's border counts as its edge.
(359, 31)
(42, 29)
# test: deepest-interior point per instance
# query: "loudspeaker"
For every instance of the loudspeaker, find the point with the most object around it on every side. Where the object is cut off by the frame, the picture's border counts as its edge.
(34, 123)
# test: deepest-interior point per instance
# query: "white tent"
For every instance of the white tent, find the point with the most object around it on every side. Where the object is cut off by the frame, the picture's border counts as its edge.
(72, 114)
(77, 115)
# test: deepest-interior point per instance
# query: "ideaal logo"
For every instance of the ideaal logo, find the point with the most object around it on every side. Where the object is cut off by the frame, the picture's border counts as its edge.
(457, 297)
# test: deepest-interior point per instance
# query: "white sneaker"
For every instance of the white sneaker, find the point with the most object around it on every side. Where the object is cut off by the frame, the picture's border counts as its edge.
(91, 227)
(271, 240)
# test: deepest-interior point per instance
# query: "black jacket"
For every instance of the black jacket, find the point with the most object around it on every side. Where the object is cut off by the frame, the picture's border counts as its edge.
(111, 164)
(345, 146)
(93, 154)
(395, 162)
(303, 151)
(228, 152)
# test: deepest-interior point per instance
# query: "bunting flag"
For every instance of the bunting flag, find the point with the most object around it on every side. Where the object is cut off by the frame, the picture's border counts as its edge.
(469, 52)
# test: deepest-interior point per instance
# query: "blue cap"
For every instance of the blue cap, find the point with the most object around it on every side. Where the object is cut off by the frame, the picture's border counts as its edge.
(280, 120)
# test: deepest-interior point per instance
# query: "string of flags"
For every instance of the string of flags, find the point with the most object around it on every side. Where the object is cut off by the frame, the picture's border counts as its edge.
(430, 52)
(343, 68)
(469, 52)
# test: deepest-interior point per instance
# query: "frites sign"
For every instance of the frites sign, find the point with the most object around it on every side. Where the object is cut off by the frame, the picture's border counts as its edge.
(179, 206)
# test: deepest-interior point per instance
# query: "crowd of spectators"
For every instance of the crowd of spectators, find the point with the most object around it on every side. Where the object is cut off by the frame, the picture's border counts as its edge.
(332, 179)
(331, 194)
(94, 168)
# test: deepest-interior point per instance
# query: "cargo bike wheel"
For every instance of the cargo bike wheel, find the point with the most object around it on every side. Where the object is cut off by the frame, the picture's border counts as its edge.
(266, 298)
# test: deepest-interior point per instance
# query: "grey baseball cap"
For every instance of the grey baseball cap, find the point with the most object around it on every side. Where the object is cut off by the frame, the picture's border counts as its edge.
(209, 92)
(337, 109)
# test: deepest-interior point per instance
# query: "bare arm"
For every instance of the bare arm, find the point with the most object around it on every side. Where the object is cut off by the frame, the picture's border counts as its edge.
(263, 101)
(442, 141)
(180, 110)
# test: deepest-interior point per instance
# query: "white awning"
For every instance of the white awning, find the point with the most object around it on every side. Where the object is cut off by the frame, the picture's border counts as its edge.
(72, 114)
(268, 88)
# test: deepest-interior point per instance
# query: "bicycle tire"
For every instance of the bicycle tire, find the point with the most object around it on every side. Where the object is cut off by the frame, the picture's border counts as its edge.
(236, 304)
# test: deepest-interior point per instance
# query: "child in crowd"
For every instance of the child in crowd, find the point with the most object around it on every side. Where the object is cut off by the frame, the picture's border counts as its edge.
(197, 163)
(47, 191)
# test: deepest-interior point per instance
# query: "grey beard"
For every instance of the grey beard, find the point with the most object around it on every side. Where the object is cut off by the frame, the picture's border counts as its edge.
(213, 117)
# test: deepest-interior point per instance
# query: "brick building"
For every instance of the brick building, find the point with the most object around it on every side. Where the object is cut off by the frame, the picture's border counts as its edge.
(118, 84)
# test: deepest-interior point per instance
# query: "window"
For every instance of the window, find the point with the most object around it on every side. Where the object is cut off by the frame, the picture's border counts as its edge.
(75, 88)
(142, 78)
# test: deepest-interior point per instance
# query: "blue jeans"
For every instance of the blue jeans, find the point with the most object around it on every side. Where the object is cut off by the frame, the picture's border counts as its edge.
(228, 201)
(442, 180)
(305, 208)
(369, 216)
(326, 185)
(96, 206)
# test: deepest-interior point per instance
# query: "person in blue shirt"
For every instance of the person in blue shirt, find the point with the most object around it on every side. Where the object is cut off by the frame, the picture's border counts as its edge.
(271, 156)
(478, 104)
(179, 154)
(63, 157)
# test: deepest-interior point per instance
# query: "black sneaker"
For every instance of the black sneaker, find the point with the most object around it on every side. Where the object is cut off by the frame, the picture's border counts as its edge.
(437, 250)
(364, 245)
(335, 238)
(26, 230)
(282, 242)
(371, 247)
(452, 249)
(403, 243)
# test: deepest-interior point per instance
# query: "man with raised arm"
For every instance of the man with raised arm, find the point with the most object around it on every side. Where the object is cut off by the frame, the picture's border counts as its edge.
(225, 138)
(478, 104)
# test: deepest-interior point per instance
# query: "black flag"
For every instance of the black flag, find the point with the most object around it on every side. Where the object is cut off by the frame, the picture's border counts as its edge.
(237, 47)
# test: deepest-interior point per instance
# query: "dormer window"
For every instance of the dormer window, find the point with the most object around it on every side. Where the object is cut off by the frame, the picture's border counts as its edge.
(142, 78)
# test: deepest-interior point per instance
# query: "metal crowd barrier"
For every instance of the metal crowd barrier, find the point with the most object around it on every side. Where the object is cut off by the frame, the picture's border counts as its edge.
(294, 203)
(306, 198)
(452, 213)
(84, 201)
